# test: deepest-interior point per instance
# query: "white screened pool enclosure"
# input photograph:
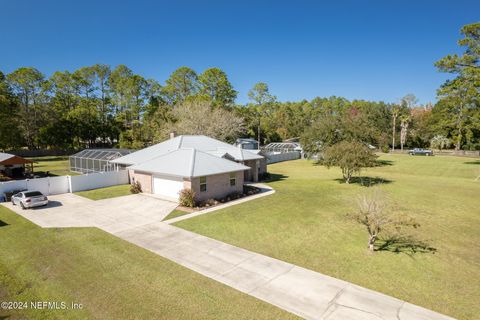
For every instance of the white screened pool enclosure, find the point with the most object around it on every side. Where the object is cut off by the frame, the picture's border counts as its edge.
(281, 147)
(97, 160)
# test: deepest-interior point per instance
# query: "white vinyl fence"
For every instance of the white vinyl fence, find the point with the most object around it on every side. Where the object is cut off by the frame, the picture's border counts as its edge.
(279, 157)
(98, 180)
(66, 184)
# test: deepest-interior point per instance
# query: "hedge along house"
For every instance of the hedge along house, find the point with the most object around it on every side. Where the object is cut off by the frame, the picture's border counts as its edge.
(13, 166)
(210, 167)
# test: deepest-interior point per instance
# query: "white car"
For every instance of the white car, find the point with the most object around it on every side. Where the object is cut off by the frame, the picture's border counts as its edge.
(29, 199)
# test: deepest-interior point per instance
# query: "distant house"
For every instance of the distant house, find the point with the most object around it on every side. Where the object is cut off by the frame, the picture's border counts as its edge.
(211, 168)
(247, 143)
(13, 166)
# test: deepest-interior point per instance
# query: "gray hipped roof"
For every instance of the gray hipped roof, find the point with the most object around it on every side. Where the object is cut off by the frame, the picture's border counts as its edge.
(188, 163)
(200, 143)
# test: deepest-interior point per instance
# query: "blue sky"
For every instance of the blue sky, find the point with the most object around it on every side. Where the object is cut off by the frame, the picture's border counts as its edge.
(376, 50)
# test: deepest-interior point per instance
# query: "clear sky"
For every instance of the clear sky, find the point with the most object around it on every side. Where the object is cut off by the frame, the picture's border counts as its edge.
(376, 50)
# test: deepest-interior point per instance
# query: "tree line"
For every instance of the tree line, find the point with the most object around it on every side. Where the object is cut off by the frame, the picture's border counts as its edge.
(101, 106)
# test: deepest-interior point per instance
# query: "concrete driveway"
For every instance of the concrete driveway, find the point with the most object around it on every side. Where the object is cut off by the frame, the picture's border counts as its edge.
(111, 215)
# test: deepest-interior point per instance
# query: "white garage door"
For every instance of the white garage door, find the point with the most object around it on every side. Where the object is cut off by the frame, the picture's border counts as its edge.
(168, 187)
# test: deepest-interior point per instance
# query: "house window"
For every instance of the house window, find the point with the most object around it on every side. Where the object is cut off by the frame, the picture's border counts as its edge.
(203, 184)
(233, 179)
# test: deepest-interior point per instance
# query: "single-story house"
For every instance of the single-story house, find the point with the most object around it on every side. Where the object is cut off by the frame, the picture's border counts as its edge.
(13, 166)
(211, 168)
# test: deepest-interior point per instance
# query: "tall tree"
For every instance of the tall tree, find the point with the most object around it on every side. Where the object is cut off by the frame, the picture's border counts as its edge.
(214, 83)
(404, 123)
(102, 74)
(9, 126)
(28, 85)
(261, 96)
(395, 110)
(181, 84)
(462, 93)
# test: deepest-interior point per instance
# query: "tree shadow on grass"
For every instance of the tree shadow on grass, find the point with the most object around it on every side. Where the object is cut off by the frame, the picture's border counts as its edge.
(366, 181)
(383, 163)
(3, 223)
(405, 244)
(49, 158)
(477, 162)
(275, 177)
(44, 174)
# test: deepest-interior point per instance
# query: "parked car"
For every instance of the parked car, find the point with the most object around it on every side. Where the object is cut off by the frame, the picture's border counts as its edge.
(420, 152)
(29, 199)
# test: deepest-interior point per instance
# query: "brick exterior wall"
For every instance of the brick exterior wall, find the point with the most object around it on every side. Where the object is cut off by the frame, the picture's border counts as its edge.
(145, 180)
(218, 186)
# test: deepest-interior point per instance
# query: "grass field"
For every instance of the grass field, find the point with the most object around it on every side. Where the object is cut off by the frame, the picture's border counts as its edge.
(111, 278)
(54, 165)
(106, 193)
(305, 222)
(176, 213)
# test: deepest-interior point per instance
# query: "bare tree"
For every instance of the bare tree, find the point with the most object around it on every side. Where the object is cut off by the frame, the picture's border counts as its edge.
(198, 117)
(375, 213)
(440, 142)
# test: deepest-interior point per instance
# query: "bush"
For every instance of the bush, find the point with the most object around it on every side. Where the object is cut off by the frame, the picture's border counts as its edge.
(187, 198)
(249, 190)
(385, 149)
(136, 187)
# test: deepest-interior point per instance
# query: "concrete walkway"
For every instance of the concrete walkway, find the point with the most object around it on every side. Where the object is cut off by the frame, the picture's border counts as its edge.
(265, 191)
(303, 292)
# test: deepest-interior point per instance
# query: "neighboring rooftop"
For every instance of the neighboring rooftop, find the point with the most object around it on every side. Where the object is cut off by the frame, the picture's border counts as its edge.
(8, 159)
(199, 142)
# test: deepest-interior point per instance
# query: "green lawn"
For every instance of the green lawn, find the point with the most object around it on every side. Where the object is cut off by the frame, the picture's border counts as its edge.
(106, 193)
(111, 278)
(55, 165)
(176, 213)
(305, 222)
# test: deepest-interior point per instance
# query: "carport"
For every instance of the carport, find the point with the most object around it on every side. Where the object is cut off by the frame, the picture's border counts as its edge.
(13, 166)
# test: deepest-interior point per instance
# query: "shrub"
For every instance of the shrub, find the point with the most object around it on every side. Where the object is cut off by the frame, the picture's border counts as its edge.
(136, 187)
(249, 190)
(385, 149)
(187, 198)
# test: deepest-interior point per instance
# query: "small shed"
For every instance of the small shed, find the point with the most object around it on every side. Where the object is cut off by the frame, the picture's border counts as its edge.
(97, 160)
(13, 166)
